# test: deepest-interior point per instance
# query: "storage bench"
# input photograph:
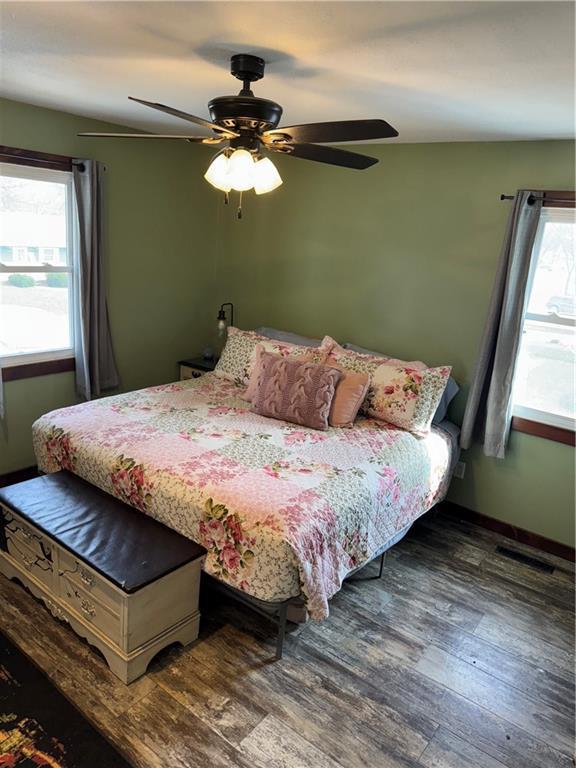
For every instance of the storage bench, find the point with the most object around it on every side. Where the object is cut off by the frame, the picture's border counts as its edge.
(123, 581)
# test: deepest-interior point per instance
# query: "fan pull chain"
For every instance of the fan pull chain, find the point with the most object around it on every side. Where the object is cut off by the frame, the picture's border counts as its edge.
(226, 198)
(239, 212)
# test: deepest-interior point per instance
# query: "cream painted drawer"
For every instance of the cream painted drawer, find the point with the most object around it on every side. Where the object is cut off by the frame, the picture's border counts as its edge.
(91, 610)
(30, 536)
(32, 561)
(89, 581)
(187, 372)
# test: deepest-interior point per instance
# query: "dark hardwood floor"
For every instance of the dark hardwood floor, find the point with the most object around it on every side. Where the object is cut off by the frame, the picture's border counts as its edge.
(457, 657)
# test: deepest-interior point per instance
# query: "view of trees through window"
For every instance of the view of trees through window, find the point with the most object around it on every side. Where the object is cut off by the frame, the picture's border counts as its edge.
(544, 387)
(35, 270)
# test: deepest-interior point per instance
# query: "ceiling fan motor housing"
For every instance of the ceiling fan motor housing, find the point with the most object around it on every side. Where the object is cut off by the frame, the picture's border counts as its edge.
(245, 112)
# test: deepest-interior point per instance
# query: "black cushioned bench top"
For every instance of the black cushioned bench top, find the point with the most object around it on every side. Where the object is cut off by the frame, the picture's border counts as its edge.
(126, 546)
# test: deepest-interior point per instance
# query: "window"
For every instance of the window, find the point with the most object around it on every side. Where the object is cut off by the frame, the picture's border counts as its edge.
(36, 264)
(544, 382)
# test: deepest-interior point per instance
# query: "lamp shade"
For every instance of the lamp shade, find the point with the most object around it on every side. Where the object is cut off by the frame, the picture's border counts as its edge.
(240, 170)
(217, 173)
(266, 177)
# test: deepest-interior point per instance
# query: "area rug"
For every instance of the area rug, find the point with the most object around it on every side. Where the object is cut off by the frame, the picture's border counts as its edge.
(39, 727)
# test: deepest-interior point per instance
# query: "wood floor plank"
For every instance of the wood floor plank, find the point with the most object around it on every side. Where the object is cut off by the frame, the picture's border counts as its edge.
(554, 686)
(331, 716)
(558, 584)
(408, 580)
(378, 637)
(486, 593)
(231, 716)
(442, 545)
(446, 750)
(368, 592)
(453, 547)
(509, 703)
(489, 540)
(422, 622)
(179, 738)
(404, 689)
(527, 644)
(272, 742)
(487, 585)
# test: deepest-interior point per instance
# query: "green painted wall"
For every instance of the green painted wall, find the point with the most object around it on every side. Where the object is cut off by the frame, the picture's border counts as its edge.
(401, 258)
(160, 266)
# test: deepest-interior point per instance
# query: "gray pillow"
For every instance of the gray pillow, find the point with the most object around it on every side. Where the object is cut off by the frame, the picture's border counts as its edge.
(289, 338)
(450, 392)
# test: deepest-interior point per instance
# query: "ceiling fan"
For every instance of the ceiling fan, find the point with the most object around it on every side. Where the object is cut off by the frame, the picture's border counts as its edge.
(249, 124)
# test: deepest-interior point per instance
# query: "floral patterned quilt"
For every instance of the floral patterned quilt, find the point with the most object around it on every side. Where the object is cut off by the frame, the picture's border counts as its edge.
(282, 510)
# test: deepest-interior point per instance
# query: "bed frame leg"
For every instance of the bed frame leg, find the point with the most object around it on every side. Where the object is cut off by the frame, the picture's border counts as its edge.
(382, 561)
(281, 632)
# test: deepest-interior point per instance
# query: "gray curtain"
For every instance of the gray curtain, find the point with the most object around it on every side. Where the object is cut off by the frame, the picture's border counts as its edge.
(490, 398)
(96, 369)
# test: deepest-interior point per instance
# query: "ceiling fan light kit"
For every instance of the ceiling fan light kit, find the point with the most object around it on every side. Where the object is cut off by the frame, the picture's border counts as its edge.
(250, 124)
(242, 171)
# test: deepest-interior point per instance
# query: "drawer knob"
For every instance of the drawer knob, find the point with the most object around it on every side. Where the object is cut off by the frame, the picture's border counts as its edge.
(86, 607)
(86, 577)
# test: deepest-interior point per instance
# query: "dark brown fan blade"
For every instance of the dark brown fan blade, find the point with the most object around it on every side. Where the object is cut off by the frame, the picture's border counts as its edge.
(344, 130)
(185, 116)
(193, 139)
(329, 155)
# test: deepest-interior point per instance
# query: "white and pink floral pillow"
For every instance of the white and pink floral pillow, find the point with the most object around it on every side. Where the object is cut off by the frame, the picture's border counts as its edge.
(406, 397)
(402, 393)
(239, 355)
(361, 362)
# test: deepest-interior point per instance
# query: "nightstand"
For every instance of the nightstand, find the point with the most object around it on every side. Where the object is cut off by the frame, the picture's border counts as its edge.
(195, 367)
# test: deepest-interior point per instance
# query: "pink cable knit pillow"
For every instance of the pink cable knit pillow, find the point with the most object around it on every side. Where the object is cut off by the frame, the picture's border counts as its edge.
(316, 355)
(295, 391)
(239, 355)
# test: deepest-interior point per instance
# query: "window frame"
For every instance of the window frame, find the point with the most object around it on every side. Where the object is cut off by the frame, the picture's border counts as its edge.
(529, 420)
(49, 361)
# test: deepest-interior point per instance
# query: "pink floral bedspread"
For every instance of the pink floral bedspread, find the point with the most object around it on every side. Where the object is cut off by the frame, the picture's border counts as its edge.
(282, 510)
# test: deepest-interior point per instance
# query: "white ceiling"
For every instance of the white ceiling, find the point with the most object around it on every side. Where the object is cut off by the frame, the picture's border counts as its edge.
(437, 71)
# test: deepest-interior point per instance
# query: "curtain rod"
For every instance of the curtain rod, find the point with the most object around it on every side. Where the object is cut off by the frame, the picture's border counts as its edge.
(532, 199)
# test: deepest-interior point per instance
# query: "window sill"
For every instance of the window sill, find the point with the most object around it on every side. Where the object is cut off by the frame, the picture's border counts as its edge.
(29, 370)
(546, 431)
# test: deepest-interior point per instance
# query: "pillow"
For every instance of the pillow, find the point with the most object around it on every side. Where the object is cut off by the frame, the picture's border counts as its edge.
(450, 392)
(352, 348)
(239, 354)
(348, 398)
(295, 391)
(264, 348)
(406, 397)
(291, 338)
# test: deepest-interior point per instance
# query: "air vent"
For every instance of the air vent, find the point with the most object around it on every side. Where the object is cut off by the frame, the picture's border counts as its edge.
(531, 562)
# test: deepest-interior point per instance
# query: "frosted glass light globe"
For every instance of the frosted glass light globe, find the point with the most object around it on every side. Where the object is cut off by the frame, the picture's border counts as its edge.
(266, 177)
(217, 173)
(240, 171)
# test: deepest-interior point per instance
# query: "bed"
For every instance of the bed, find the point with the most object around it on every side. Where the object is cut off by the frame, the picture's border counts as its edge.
(284, 511)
